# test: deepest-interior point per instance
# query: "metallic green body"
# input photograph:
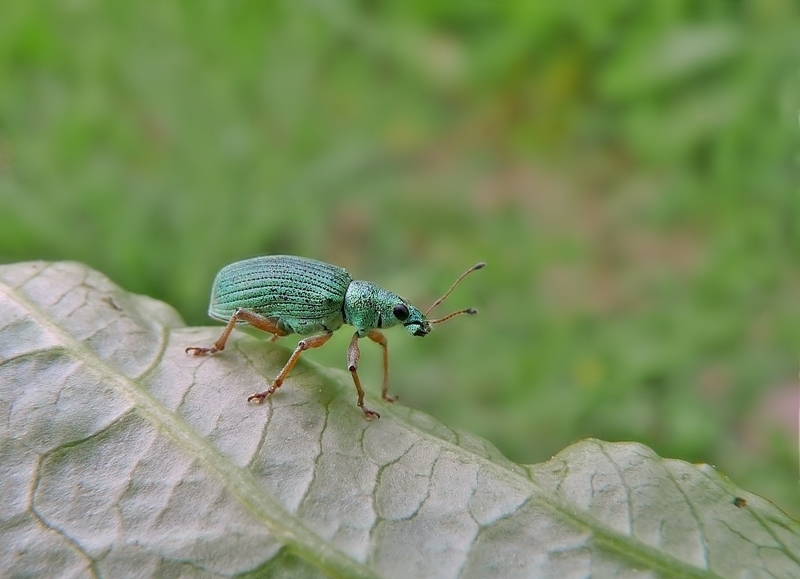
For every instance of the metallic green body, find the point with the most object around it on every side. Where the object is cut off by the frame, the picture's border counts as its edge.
(284, 294)
(305, 296)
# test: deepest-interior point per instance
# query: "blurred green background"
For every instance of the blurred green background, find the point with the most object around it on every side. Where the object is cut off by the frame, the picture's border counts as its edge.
(627, 169)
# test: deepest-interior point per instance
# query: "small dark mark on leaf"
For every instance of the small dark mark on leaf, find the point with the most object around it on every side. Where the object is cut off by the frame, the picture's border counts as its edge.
(740, 502)
(110, 301)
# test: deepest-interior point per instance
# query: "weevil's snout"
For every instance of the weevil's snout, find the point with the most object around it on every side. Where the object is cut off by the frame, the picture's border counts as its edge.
(418, 329)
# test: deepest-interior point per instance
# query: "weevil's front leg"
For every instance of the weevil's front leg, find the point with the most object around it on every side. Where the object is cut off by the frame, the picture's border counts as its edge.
(303, 345)
(378, 337)
(243, 315)
(353, 354)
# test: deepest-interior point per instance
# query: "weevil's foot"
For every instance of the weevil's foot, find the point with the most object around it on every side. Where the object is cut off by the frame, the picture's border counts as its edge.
(390, 398)
(196, 351)
(369, 414)
(259, 397)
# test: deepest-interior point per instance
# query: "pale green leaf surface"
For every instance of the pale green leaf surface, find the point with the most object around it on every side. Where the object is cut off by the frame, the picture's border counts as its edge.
(121, 456)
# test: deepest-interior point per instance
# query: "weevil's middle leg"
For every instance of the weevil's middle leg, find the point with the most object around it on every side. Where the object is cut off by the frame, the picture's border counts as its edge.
(353, 354)
(378, 337)
(303, 345)
(241, 314)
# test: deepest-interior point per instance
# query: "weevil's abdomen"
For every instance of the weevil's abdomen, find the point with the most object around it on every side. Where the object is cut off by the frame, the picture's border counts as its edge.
(301, 295)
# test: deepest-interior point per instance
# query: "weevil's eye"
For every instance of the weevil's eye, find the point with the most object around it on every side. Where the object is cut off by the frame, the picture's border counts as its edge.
(400, 312)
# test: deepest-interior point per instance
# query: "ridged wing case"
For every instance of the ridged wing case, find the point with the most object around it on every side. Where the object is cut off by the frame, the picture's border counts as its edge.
(303, 296)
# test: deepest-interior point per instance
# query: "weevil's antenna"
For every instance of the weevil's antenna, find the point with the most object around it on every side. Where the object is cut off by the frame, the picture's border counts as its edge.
(475, 267)
(453, 315)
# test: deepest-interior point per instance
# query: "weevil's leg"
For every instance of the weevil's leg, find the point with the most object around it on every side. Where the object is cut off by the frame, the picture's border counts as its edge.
(240, 314)
(303, 345)
(219, 345)
(353, 354)
(378, 337)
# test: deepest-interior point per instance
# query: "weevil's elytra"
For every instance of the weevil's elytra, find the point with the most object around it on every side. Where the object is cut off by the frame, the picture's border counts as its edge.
(284, 294)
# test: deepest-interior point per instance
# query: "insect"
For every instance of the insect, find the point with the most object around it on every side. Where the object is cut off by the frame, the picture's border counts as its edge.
(283, 295)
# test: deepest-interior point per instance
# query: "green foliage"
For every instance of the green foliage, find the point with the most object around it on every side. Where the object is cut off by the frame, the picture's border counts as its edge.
(627, 169)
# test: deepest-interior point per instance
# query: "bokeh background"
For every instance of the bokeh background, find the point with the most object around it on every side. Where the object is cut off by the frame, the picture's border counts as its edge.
(628, 170)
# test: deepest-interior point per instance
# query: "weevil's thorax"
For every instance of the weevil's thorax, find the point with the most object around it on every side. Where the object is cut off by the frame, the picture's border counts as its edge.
(368, 306)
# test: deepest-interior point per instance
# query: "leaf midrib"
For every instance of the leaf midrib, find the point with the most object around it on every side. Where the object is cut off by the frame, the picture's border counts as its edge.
(290, 529)
(285, 527)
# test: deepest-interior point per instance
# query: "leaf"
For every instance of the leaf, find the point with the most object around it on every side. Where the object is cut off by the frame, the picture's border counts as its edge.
(666, 60)
(124, 457)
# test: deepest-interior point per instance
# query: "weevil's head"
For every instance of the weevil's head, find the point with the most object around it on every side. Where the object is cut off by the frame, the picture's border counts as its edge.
(368, 306)
(412, 319)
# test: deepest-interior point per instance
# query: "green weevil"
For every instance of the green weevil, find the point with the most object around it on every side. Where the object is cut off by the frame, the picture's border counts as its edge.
(283, 295)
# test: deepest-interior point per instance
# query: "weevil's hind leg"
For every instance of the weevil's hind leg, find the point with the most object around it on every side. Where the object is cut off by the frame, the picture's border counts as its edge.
(303, 345)
(243, 315)
(353, 354)
(378, 337)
